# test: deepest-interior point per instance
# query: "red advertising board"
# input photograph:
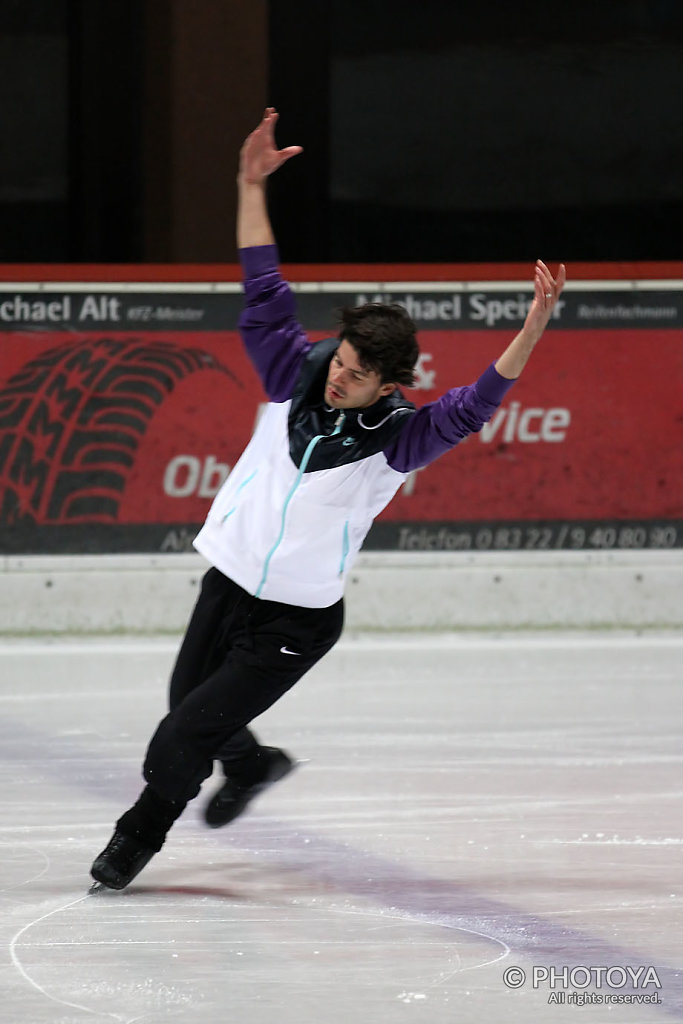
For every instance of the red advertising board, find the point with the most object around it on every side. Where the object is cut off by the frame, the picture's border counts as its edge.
(121, 414)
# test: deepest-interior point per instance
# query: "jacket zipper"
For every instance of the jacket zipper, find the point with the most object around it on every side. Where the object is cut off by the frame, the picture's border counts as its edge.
(302, 469)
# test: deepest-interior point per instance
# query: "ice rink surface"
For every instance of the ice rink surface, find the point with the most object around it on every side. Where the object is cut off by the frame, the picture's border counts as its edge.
(468, 806)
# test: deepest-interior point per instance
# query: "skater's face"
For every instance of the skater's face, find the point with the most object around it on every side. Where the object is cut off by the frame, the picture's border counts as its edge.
(349, 385)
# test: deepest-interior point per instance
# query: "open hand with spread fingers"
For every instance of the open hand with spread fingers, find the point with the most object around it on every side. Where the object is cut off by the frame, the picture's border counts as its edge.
(259, 155)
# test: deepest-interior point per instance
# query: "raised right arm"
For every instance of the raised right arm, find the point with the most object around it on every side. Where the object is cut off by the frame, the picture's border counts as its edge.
(273, 336)
(259, 157)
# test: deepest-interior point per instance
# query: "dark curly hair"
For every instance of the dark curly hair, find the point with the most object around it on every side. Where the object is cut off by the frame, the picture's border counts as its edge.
(385, 339)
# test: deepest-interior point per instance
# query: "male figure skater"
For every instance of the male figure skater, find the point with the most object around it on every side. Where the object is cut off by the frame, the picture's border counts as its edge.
(336, 441)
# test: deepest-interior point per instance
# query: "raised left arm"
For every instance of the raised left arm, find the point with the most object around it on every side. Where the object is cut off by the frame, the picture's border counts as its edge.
(547, 290)
(438, 426)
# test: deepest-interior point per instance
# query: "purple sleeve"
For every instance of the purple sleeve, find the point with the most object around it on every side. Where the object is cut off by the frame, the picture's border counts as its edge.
(438, 426)
(273, 337)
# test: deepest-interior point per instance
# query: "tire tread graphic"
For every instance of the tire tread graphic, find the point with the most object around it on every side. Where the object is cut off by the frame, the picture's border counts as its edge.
(71, 422)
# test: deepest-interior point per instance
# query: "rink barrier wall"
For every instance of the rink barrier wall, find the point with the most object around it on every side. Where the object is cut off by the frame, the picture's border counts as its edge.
(113, 381)
(101, 594)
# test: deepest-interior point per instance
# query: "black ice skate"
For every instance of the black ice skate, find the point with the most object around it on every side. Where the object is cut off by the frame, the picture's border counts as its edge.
(120, 861)
(231, 799)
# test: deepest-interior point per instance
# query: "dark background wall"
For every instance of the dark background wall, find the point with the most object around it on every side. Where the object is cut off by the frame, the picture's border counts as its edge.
(120, 124)
(34, 165)
(432, 131)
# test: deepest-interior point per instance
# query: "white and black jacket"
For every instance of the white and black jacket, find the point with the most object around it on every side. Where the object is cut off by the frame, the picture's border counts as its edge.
(290, 519)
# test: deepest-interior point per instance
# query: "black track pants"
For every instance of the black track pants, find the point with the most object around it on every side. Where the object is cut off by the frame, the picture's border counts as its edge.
(239, 655)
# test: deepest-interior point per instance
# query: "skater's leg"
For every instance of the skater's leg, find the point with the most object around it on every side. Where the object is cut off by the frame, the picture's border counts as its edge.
(181, 753)
(180, 756)
(249, 767)
(203, 646)
(240, 753)
(140, 832)
(258, 668)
